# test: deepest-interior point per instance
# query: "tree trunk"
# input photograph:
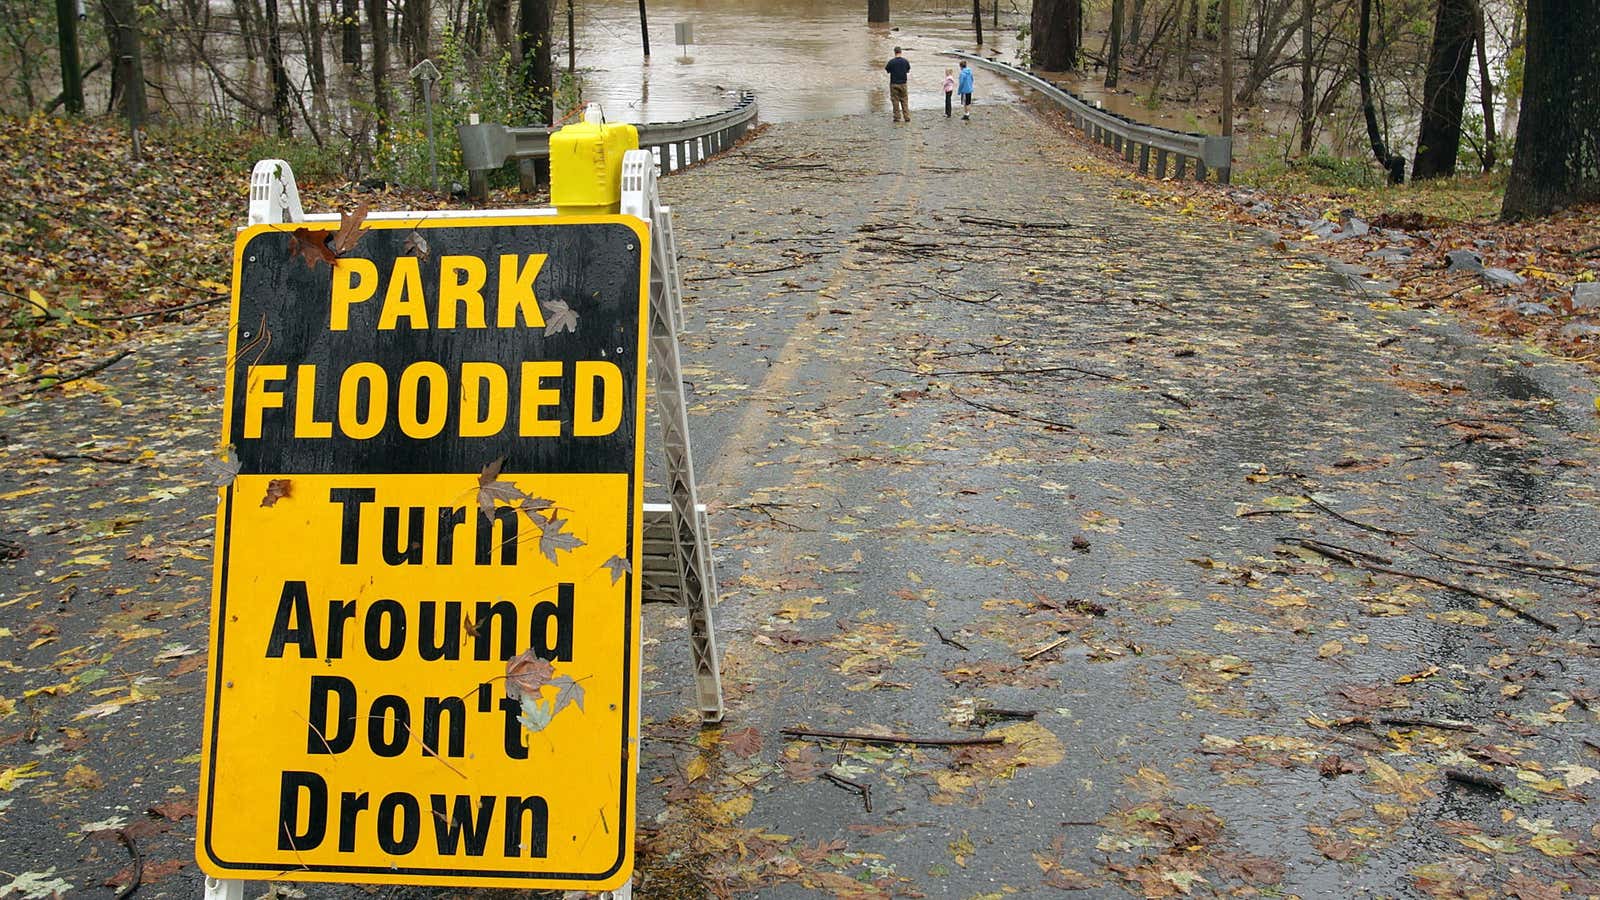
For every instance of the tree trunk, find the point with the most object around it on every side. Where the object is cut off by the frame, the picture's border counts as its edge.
(1444, 93)
(1485, 90)
(1225, 47)
(538, 70)
(1308, 83)
(877, 10)
(350, 35)
(1114, 46)
(1056, 28)
(1557, 158)
(378, 22)
(977, 21)
(279, 75)
(1136, 22)
(416, 28)
(499, 15)
(71, 72)
(127, 60)
(1394, 164)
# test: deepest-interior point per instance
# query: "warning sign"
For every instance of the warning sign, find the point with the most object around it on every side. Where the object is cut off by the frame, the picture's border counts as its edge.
(425, 616)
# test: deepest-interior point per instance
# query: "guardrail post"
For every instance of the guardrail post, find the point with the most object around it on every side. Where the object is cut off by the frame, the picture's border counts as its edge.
(1181, 166)
(1127, 150)
(1144, 159)
(1161, 163)
(1117, 142)
(1199, 170)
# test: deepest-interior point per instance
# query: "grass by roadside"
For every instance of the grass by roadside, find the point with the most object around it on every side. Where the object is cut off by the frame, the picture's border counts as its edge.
(94, 247)
(1398, 237)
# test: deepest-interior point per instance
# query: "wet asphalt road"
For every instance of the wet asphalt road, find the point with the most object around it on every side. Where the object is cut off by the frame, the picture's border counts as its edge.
(954, 378)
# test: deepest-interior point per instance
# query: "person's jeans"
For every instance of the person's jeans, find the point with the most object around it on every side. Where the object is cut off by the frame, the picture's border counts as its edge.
(897, 99)
(947, 104)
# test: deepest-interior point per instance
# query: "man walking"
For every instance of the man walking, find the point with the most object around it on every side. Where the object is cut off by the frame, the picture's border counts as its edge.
(964, 88)
(897, 69)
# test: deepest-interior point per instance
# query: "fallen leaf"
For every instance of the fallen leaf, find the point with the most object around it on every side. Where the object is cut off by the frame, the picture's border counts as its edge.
(558, 317)
(618, 567)
(277, 489)
(745, 743)
(526, 673)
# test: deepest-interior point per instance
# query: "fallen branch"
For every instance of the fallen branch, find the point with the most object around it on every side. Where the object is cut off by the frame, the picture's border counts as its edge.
(1028, 657)
(1443, 724)
(1013, 413)
(1376, 529)
(807, 733)
(1339, 551)
(1441, 582)
(159, 312)
(58, 457)
(949, 641)
(1001, 373)
(1475, 779)
(861, 789)
(986, 714)
(82, 373)
(137, 876)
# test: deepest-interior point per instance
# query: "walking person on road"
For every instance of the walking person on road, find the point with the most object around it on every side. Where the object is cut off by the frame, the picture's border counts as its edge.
(898, 68)
(964, 88)
(949, 88)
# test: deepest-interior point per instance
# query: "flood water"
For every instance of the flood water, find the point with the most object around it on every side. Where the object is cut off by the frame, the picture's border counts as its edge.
(804, 60)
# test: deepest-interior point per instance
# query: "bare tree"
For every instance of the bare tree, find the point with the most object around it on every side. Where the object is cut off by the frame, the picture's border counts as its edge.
(1392, 163)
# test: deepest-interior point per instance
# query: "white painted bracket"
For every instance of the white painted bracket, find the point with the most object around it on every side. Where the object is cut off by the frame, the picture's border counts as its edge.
(692, 540)
(224, 888)
(274, 197)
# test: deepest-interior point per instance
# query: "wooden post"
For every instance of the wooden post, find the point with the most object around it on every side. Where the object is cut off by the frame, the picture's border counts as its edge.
(877, 11)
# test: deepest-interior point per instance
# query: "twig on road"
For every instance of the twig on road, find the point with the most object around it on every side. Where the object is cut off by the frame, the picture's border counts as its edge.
(1359, 563)
(952, 642)
(1035, 654)
(858, 737)
(81, 373)
(58, 457)
(137, 870)
(1013, 413)
(859, 788)
(1476, 779)
(1375, 529)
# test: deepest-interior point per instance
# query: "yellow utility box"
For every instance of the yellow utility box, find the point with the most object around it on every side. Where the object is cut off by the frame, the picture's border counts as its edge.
(586, 165)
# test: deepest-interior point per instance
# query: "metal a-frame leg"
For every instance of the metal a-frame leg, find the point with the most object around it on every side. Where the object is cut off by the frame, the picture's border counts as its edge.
(691, 538)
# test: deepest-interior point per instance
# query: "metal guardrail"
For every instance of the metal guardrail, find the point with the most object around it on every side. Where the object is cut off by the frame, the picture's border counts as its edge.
(676, 145)
(1127, 136)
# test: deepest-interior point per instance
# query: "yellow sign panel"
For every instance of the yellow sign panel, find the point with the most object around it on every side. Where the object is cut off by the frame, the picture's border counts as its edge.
(425, 616)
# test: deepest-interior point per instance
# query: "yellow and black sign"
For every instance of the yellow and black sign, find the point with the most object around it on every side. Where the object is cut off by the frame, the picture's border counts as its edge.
(424, 632)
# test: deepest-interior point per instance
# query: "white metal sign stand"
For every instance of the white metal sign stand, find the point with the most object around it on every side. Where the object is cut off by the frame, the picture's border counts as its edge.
(687, 574)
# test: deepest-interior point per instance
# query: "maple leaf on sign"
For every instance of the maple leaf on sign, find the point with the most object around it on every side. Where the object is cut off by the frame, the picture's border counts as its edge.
(526, 673)
(311, 244)
(558, 317)
(277, 489)
(618, 566)
(349, 233)
(535, 714)
(568, 693)
(492, 489)
(416, 245)
(552, 538)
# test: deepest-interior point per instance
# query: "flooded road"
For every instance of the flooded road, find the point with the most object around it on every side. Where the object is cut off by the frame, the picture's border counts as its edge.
(805, 60)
